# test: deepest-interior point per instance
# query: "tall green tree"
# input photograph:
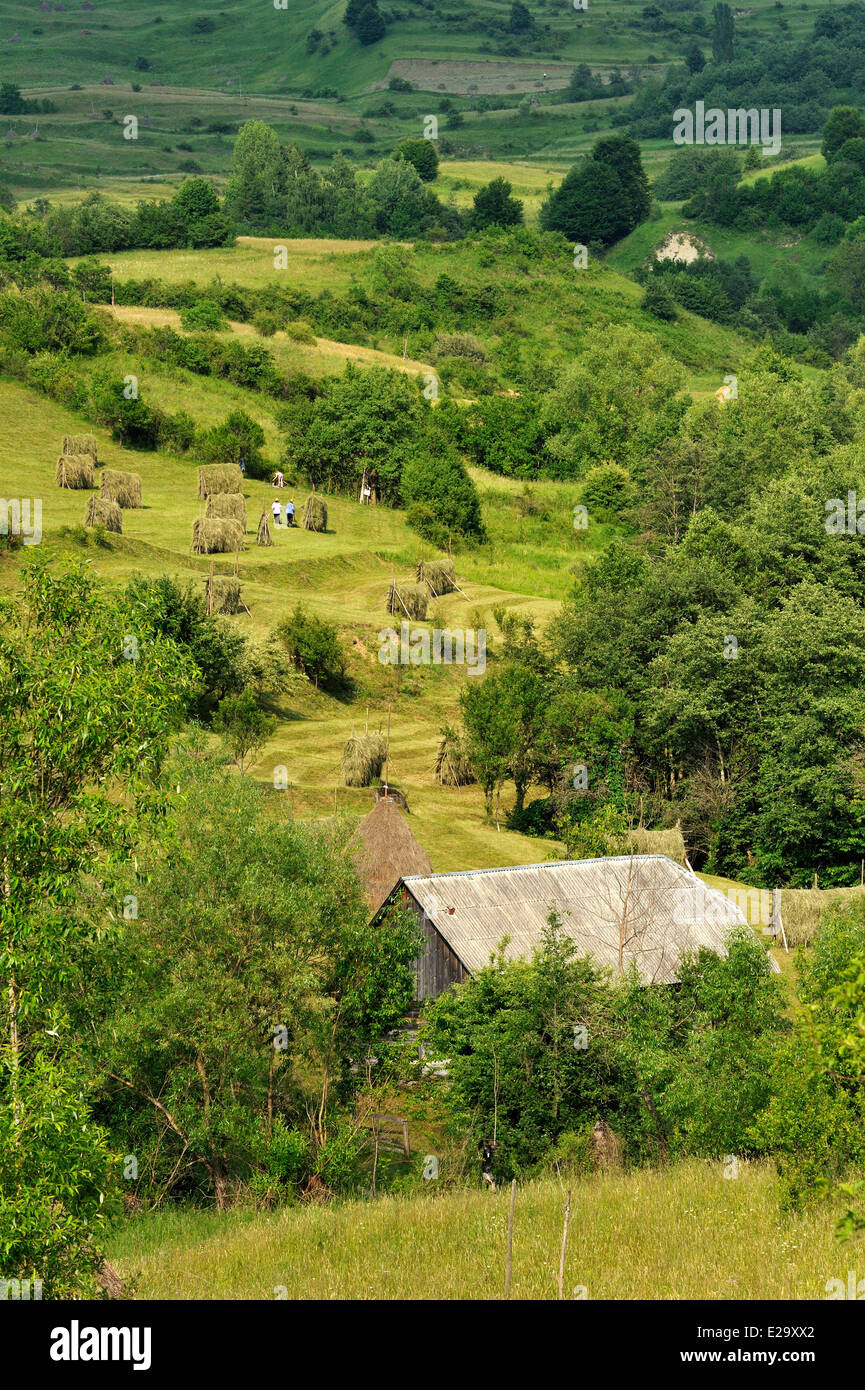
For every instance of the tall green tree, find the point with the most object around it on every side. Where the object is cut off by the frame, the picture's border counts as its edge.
(722, 33)
(89, 704)
(231, 1014)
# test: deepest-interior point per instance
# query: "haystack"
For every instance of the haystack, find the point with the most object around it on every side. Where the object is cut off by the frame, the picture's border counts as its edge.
(264, 536)
(386, 851)
(74, 470)
(439, 576)
(214, 535)
(407, 600)
(638, 840)
(315, 514)
(122, 488)
(227, 504)
(363, 759)
(81, 444)
(102, 513)
(225, 593)
(453, 768)
(802, 910)
(219, 477)
(606, 1148)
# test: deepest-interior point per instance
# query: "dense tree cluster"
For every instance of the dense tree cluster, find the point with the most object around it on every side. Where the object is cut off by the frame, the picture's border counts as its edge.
(730, 638)
(805, 78)
(602, 198)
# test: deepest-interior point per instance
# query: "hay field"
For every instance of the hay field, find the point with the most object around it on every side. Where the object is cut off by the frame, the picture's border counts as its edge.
(341, 574)
(317, 265)
(679, 1233)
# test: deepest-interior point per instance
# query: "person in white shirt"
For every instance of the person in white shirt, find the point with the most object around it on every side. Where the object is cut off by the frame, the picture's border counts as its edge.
(276, 508)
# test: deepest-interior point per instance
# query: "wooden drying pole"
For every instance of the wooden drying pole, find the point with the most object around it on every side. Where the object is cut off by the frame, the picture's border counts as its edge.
(510, 1259)
(387, 753)
(777, 919)
(564, 1246)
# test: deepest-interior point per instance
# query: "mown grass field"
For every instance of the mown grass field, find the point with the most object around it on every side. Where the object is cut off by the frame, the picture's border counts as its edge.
(343, 575)
(681, 1233)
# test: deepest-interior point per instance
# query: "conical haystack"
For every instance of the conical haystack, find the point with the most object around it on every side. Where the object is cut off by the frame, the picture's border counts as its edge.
(387, 851)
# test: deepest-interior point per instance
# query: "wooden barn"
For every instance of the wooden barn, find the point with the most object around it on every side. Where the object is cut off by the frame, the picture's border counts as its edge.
(387, 851)
(641, 908)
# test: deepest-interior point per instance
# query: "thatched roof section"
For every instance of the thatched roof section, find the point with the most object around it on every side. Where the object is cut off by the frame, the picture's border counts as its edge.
(387, 851)
(641, 908)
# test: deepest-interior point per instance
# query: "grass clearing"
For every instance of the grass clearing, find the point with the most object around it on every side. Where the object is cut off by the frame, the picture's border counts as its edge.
(678, 1233)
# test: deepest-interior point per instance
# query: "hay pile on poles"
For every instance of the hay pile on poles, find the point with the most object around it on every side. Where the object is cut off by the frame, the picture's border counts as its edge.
(363, 758)
(227, 504)
(223, 594)
(407, 601)
(315, 514)
(102, 513)
(264, 536)
(439, 576)
(81, 444)
(638, 840)
(216, 535)
(453, 768)
(219, 477)
(122, 488)
(74, 471)
(385, 850)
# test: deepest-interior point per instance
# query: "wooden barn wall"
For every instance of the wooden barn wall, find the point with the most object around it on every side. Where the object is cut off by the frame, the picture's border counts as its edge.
(437, 967)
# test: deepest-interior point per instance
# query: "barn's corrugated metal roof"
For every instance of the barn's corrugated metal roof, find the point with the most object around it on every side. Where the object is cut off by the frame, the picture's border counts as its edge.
(647, 904)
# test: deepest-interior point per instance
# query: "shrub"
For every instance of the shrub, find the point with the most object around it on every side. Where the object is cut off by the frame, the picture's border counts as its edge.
(313, 645)
(265, 322)
(203, 314)
(606, 489)
(658, 301)
(299, 331)
(441, 498)
(460, 345)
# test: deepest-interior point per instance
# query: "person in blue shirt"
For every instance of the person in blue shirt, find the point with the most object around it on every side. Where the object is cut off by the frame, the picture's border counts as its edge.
(289, 512)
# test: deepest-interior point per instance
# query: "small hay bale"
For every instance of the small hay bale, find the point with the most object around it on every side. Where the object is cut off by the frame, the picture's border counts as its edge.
(363, 759)
(101, 512)
(264, 537)
(439, 576)
(407, 601)
(226, 593)
(216, 535)
(74, 470)
(453, 768)
(230, 504)
(122, 488)
(219, 477)
(315, 514)
(81, 444)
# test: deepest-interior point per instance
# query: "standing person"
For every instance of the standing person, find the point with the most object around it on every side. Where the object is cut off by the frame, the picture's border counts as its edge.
(276, 508)
(243, 465)
(289, 512)
(487, 1165)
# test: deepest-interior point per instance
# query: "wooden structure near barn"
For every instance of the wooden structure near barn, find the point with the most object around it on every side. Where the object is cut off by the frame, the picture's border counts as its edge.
(639, 908)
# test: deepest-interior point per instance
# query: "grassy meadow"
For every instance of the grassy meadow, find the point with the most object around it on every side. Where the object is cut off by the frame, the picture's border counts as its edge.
(685, 1232)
